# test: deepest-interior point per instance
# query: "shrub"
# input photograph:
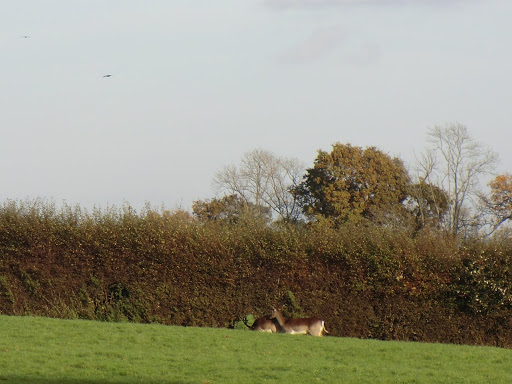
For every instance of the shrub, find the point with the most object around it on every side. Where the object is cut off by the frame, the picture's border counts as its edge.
(160, 266)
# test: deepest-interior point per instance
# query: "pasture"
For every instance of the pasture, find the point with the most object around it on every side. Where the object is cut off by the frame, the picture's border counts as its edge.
(52, 351)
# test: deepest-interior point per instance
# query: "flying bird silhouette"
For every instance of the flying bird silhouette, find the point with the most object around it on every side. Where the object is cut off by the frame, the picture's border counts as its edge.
(107, 75)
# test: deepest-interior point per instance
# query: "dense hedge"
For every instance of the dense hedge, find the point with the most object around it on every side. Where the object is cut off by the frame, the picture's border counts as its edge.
(159, 266)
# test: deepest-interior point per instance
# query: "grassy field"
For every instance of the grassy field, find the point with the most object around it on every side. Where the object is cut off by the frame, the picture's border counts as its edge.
(50, 351)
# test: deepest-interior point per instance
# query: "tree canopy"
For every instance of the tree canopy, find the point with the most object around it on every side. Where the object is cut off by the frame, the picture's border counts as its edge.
(428, 204)
(351, 182)
(499, 204)
(229, 209)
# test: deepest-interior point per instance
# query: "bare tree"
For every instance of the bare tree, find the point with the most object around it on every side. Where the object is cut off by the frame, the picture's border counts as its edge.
(455, 162)
(265, 180)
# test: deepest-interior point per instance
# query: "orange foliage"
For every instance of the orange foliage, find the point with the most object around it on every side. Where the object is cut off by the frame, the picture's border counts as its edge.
(501, 195)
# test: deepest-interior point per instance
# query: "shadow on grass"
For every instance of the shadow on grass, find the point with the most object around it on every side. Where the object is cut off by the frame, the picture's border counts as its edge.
(62, 380)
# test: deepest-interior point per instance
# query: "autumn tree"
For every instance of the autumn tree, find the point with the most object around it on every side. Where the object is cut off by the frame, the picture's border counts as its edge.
(499, 204)
(351, 182)
(265, 180)
(229, 209)
(454, 162)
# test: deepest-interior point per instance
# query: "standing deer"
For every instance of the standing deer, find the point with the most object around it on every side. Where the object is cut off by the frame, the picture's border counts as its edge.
(263, 324)
(313, 326)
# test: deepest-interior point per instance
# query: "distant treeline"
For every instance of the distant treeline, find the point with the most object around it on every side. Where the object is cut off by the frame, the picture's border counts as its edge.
(365, 280)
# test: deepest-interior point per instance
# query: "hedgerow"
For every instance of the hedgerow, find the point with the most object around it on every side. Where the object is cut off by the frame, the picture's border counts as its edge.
(160, 266)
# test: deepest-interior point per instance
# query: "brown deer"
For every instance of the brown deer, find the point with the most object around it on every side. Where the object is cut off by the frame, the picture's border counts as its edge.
(263, 324)
(313, 326)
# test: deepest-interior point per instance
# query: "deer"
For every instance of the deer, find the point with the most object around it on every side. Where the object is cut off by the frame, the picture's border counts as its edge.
(300, 326)
(263, 324)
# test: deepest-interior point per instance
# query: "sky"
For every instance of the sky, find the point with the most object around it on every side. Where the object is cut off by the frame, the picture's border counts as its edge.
(196, 84)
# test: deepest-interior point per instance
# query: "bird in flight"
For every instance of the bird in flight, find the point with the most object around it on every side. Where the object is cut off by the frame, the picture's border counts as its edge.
(25, 37)
(107, 75)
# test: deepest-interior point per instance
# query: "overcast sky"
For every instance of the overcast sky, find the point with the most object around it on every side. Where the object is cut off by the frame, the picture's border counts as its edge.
(196, 84)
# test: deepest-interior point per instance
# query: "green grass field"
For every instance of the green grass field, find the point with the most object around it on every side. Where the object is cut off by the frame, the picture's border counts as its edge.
(50, 351)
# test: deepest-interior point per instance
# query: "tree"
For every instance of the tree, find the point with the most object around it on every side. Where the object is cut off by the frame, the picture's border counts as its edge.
(228, 209)
(499, 204)
(454, 162)
(428, 204)
(265, 180)
(351, 182)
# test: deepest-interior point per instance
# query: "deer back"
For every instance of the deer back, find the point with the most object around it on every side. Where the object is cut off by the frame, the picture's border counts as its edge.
(312, 325)
(264, 324)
